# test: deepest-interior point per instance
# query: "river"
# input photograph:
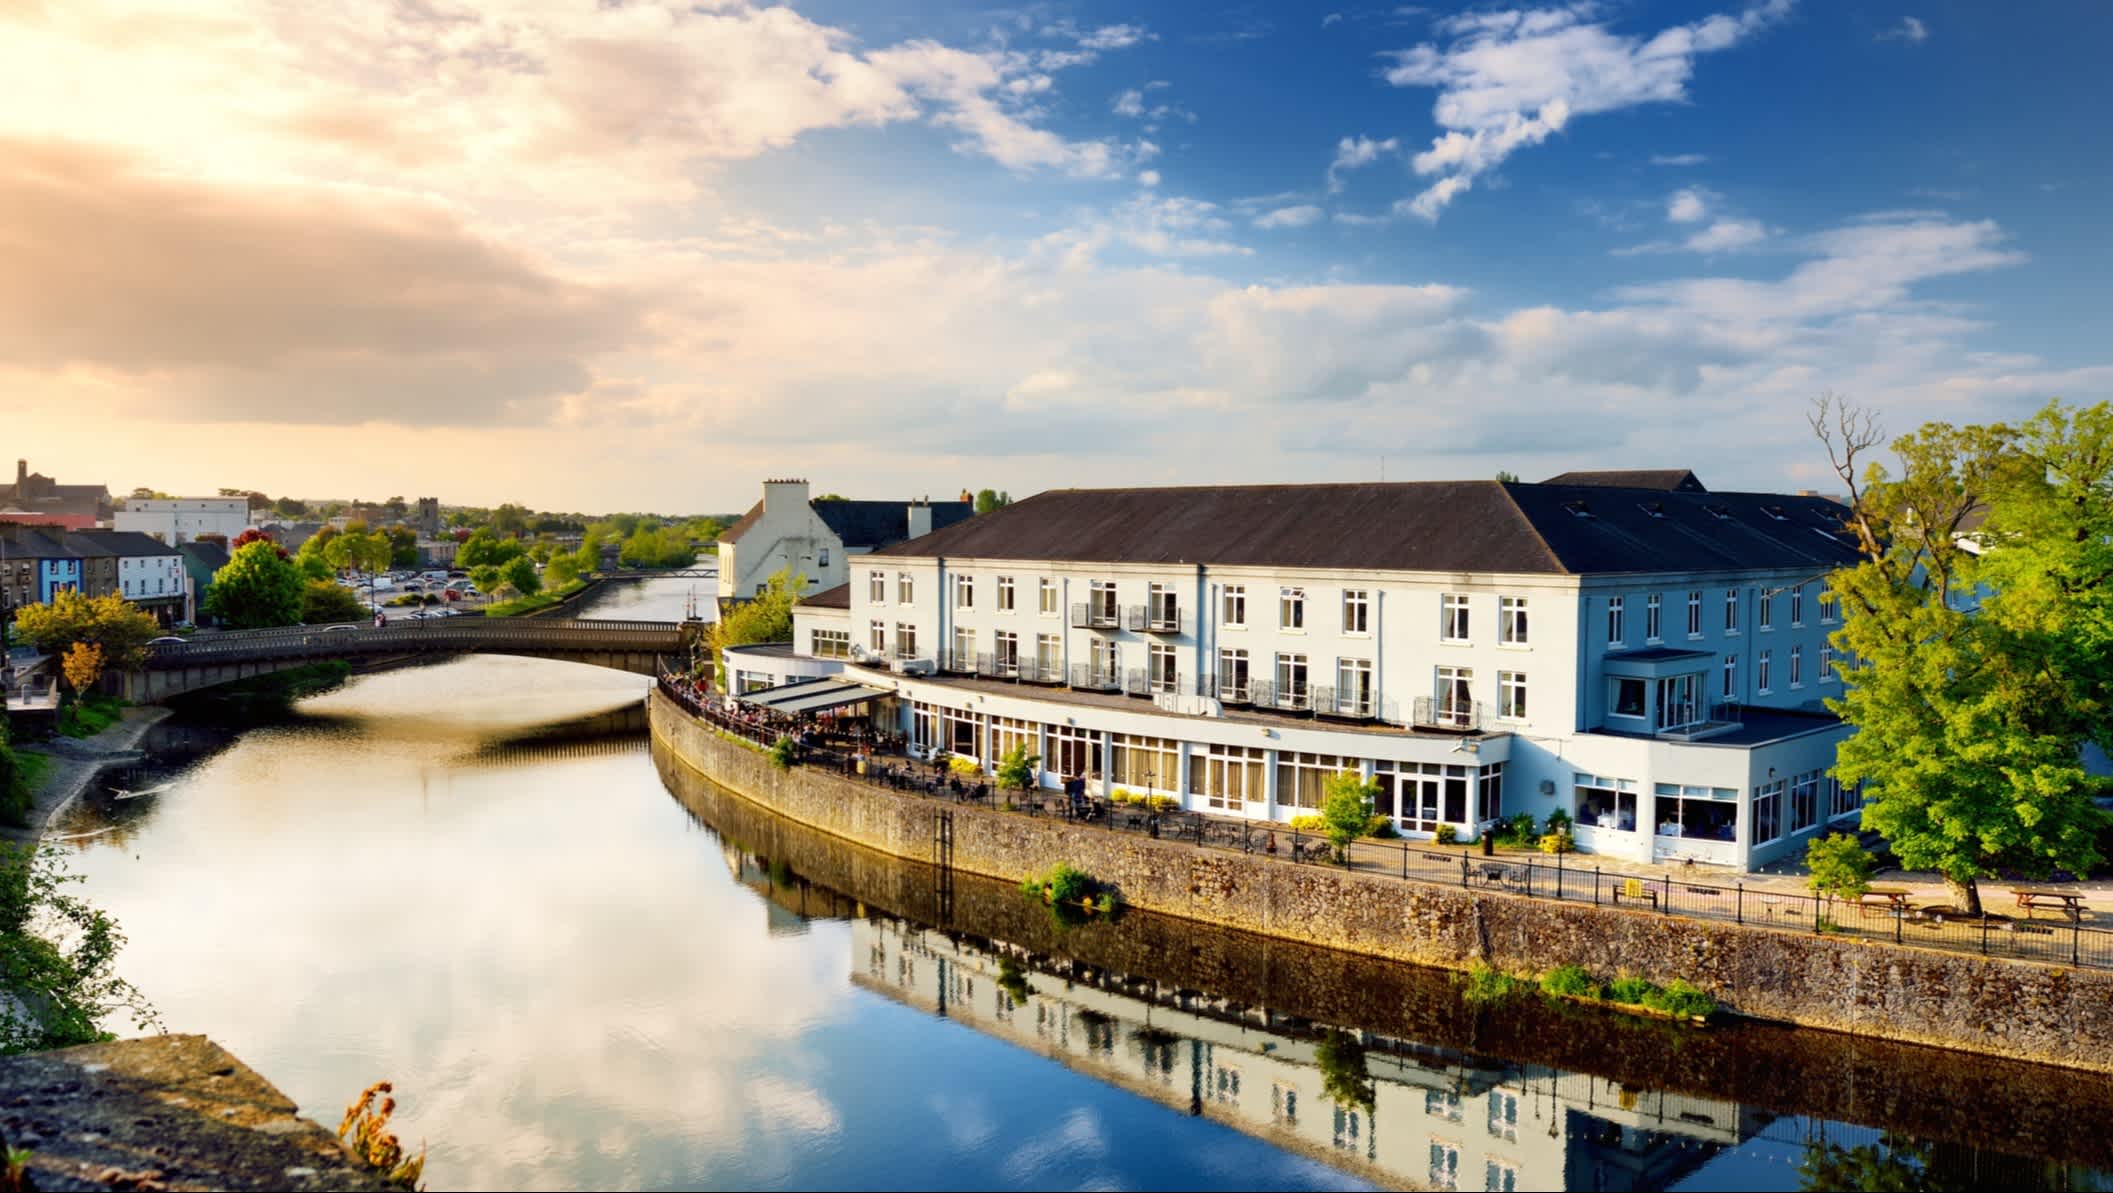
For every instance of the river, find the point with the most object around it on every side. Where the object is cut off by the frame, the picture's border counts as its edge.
(584, 967)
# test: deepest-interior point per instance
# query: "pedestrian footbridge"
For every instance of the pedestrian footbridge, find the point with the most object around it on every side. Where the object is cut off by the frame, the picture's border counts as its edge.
(210, 659)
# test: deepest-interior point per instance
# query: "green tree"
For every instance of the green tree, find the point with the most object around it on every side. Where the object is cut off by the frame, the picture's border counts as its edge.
(1505, 477)
(1018, 769)
(326, 603)
(767, 618)
(395, 507)
(359, 551)
(988, 500)
(108, 622)
(1838, 866)
(520, 574)
(657, 547)
(1346, 1079)
(509, 519)
(1975, 653)
(403, 546)
(486, 577)
(482, 548)
(587, 559)
(258, 587)
(313, 558)
(57, 958)
(1346, 808)
(14, 786)
(562, 569)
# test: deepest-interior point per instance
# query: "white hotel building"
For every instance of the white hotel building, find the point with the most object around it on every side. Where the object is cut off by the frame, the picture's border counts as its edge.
(1641, 653)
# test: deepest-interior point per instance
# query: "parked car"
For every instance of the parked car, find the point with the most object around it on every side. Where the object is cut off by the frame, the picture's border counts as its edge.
(166, 640)
(452, 594)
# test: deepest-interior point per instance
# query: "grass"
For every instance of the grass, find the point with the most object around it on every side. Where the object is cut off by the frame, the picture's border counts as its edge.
(1485, 986)
(86, 718)
(535, 602)
(1570, 981)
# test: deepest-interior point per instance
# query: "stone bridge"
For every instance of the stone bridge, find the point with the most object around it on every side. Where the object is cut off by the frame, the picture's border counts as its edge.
(210, 659)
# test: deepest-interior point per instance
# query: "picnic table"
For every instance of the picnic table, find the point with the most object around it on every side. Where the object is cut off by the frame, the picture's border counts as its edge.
(2031, 899)
(1887, 900)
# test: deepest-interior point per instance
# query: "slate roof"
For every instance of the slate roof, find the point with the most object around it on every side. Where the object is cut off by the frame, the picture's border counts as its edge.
(1679, 479)
(830, 598)
(862, 524)
(209, 557)
(83, 544)
(26, 542)
(1431, 526)
(127, 543)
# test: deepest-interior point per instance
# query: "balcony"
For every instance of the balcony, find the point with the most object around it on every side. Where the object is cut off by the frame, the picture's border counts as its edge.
(1034, 671)
(1720, 718)
(1461, 716)
(1282, 697)
(1347, 704)
(1088, 678)
(1147, 619)
(1094, 616)
(998, 666)
(905, 653)
(960, 662)
(1137, 682)
(1228, 689)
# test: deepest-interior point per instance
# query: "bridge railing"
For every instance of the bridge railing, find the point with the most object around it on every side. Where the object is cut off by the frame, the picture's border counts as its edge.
(438, 635)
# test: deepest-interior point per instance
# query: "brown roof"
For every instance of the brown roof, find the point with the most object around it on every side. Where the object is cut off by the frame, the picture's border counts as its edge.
(1431, 526)
(732, 534)
(830, 598)
(1673, 479)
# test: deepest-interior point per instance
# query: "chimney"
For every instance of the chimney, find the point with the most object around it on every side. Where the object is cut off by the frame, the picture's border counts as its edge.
(21, 475)
(920, 519)
(784, 496)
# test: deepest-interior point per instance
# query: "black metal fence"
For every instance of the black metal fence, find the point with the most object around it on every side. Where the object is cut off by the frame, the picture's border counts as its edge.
(1680, 891)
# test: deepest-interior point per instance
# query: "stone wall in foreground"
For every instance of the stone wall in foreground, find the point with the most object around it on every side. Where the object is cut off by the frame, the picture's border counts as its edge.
(2030, 1011)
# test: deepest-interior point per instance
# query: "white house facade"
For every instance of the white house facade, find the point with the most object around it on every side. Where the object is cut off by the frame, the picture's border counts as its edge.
(178, 520)
(1650, 661)
(815, 539)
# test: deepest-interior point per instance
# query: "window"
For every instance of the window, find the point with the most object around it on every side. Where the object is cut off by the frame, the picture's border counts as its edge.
(1606, 803)
(831, 644)
(1490, 797)
(1628, 697)
(1698, 813)
(762, 587)
(1302, 778)
(1731, 610)
(877, 637)
(1162, 608)
(1006, 648)
(905, 589)
(1291, 608)
(1843, 799)
(1162, 668)
(1731, 677)
(1830, 609)
(1694, 614)
(822, 558)
(1445, 1166)
(1284, 1103)
(1827, 674)
(1291, 681)
(1442, 1104)
(877, 587)
(1499, 1178)
(1679, 705)
(1232, 676)
(1768, 812)
(1357, 611)
(964, 592)
(1005, 594)
(1797, 666)
(1761, 677)
(1150, 763)
(1422, 795)
(1511, 621)
(1503, 1114)
(1008, 734)
(1456, 704)
(1797, 606)
(905, 640)
(1616, 616)
(1452, 625)
(1511, 695)
(1235, 602)
(1073, 751)
(1102, 606)
(1353, 687)
(1048, 655)
(964, 649)
(1049, 597)
(1764, 611)
(1226, 776)
(1804, 801)
(1653, 622)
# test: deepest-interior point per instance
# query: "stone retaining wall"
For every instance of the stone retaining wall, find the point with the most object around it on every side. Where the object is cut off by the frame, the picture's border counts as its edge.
(2021, 1009)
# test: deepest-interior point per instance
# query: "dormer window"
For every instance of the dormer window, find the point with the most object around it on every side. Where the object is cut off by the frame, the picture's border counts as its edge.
(1720, 513)
(1655, 509)
(1577, 509)
(1775, 512)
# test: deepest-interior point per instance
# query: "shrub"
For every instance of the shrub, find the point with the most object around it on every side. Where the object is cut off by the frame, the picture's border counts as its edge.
(1681, 999)
(1570, 981)
(1163, 803)
(1121, 796)
(1484, 986)
(783, 753)
(365, 1132)
(1019, 768)
(1558, 821)
(1448, 835)
(1629, 991)
(1346, 808)
(1308, 823)
(1839, 866)
(1382, 827)
(963, 766)
(1557, 842)
(1065, 885)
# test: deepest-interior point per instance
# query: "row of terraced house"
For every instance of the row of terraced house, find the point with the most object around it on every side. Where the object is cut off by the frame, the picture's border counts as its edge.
(1646, 655)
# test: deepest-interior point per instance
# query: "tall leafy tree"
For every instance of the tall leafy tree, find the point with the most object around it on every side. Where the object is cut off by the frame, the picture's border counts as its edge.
(109, 622)
(520, 573)
(259, 587)
(766, 618)
(325, 603)
(1975, 635)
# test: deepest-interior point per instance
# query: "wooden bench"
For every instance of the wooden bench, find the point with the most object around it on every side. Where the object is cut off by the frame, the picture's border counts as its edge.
(1884, 900)
(2069, 903)
(1635, 891)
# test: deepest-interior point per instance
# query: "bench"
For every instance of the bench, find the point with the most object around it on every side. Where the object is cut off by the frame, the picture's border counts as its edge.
(2068, 903)
(1636, 892)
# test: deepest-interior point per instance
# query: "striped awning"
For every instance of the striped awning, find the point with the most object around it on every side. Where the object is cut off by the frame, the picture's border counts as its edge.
(811, 695)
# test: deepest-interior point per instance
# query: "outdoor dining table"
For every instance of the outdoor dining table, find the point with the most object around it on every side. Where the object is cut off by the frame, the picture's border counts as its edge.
(1891, 900)
(2031, 899)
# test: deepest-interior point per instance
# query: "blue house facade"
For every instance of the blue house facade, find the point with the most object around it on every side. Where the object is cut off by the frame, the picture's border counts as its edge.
(56, 575)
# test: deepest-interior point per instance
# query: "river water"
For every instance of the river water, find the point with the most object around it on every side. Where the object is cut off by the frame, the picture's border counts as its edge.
(583, 966)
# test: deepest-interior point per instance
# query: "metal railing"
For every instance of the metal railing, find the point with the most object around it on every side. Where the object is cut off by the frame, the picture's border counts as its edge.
(1682, 891)
(1264, 693)
(1088, 677)
(448, 634)
(1427, 712)
(1089, 615)
(1148, 619)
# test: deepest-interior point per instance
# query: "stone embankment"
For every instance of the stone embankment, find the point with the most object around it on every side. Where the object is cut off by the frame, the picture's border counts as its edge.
(163, 1112)
(75, 763)
(2030, 1011)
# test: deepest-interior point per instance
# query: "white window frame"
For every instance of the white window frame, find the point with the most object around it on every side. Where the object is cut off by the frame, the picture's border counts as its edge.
(1354, 688)
(1797, 666)
(1761, 675)
(1797, 607)
(1289, 694)
(1827, 674)
(905, 589)
(964, 591)
(1511, 695)
(1764, 612)
(1455, 618)
(1694, 613)
(1048, 653)
(1232, 607)
(1357, 612)
(1453, 695)
(1617, 621)
(877, 588)
(1731, 611)
(1731, 677)
(1291, 609)
(877, 636)
(1228, 690)
(906, 638)
(1164, 668)
(1512, 625)
(1654, 618)
(1005, 594)
(1048, 597)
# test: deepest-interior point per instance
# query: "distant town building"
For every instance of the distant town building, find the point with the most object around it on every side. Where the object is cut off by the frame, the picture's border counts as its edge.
(148, 572)
(201, 559)
(36, 499)
(813, 538)
(178, 520)
(57, 568)
(290, 535)
(98, 563)
(428, 521)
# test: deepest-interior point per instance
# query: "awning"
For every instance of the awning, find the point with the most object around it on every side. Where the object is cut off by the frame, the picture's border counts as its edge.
(812, 695)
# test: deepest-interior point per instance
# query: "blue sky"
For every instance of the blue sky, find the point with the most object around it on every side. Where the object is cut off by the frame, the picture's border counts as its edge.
(652, 252)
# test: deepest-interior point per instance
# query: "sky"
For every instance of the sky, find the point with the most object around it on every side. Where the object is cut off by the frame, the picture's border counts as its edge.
(639, 256)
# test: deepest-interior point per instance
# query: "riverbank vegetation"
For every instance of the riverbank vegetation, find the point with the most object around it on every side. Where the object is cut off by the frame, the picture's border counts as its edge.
(17, 780)
(1066, 886)
(366, 1134)
(535, 602)
(108, 622)
(57, 958)
(1485, 986)
(766, 618)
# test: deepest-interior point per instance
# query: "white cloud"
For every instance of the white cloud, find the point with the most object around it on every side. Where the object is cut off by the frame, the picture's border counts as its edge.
(1354, 153)
(1910, 30)
(1133, 103)
(1510, 79)
(1726, 235)
(1130, 103)
(1289, 217)
(1678, 159)
(1148, 178)
(1333, 18)
(1686, 206)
